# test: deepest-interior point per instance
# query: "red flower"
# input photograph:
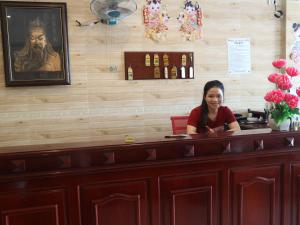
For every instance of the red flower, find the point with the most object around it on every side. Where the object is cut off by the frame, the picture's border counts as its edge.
(292, 71)
(275, 96)
(283, 105)
(284, 82)
(298, 91)
(291, 100)
(268, 97)
(279, 63)
(272, 77)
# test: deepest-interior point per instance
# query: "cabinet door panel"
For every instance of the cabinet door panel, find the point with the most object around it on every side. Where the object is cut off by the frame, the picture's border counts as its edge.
(114, 203)
(45, 207)
(192, 199)
(295, 194)
(256, 196)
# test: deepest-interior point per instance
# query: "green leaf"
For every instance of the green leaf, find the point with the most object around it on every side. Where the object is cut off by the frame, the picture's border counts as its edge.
(282, 112)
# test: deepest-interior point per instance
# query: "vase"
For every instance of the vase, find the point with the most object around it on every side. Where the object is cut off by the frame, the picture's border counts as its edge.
(283, 126)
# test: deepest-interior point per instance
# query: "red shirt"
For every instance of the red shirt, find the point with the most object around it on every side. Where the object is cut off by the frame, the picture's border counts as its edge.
(224, 116)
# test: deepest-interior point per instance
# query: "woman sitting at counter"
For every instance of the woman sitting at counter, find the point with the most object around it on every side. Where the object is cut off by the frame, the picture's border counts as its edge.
(211, 116)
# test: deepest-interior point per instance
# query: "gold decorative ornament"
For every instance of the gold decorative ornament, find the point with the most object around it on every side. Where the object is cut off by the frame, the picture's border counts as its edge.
(156, 60)
(166, 60)
(147, 60)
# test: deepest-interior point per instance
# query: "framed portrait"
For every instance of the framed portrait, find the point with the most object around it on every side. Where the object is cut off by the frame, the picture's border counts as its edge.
(35, 43)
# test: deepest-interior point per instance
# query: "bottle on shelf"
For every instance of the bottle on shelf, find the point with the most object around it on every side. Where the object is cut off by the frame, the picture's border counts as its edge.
(182, 69)
(130, 73)
(183, 64)
(191, 72)
(174, 72)
(191, 69)
(166, 64)
(156, 72)
(166, 72)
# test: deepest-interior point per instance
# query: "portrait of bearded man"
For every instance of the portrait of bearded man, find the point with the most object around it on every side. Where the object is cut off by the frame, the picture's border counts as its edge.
(38, 54)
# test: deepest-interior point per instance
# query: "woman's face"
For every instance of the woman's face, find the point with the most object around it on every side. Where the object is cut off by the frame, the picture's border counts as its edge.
(214, 98)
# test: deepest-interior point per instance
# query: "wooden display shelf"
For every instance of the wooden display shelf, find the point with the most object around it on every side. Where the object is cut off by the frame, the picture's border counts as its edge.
(142, 72)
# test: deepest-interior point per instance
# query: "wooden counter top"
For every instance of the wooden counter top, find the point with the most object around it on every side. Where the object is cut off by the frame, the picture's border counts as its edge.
(30, 149)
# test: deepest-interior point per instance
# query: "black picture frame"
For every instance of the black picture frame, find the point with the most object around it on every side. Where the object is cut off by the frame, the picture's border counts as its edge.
(35, 43)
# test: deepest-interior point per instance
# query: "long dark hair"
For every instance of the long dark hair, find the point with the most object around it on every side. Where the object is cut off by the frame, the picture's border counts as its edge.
(204, 107)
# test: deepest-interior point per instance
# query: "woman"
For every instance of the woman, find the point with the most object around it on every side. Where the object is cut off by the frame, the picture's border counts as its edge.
(211, 116)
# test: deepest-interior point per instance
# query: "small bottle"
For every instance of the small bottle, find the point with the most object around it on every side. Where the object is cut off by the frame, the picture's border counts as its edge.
(191, 72)
(182, 69)
(174, 72)
(166, 72)
(156, 72)
(130, 73)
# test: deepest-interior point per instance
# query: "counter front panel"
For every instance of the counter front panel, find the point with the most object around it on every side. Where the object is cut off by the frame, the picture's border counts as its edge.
(247, 177)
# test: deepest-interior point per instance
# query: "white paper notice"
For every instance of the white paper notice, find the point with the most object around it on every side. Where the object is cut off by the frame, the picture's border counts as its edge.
(239, 55)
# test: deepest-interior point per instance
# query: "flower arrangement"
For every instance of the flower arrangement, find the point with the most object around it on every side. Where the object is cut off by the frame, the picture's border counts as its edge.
(283, 103)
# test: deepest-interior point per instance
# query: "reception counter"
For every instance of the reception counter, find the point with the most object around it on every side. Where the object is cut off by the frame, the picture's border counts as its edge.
(249, 177)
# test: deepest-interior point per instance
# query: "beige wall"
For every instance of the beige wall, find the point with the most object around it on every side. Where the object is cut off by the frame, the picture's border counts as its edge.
(101, 105)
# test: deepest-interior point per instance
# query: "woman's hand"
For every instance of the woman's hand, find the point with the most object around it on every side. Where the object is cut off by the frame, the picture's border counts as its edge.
(210, 130)
(191, 129)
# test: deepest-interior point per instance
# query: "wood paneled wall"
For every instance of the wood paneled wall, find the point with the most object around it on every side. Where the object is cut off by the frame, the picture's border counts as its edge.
(101, 105)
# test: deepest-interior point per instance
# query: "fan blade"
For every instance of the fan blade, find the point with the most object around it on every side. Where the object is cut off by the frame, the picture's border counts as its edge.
(113, 9)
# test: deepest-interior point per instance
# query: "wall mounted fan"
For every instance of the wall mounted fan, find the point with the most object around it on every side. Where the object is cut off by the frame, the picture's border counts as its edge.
(111, 11)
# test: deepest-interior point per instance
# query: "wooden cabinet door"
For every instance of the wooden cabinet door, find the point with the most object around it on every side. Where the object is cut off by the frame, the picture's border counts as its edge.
(190, 199)
(256, 196)
(33, 207)
(115, 203)
(295, 197)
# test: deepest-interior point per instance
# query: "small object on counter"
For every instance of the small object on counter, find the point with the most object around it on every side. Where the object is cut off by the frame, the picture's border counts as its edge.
(182, 69)
(174, 72)
(166, 72)
(156, 72)
(166, 60)
(130, 73)
(156, 60)
(176, 136)
(129, 139)
(296, 125)
(147, 60)
(252, 119)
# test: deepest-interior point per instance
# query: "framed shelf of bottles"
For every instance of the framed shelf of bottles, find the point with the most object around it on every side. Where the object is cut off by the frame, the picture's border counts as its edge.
(159, 65)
